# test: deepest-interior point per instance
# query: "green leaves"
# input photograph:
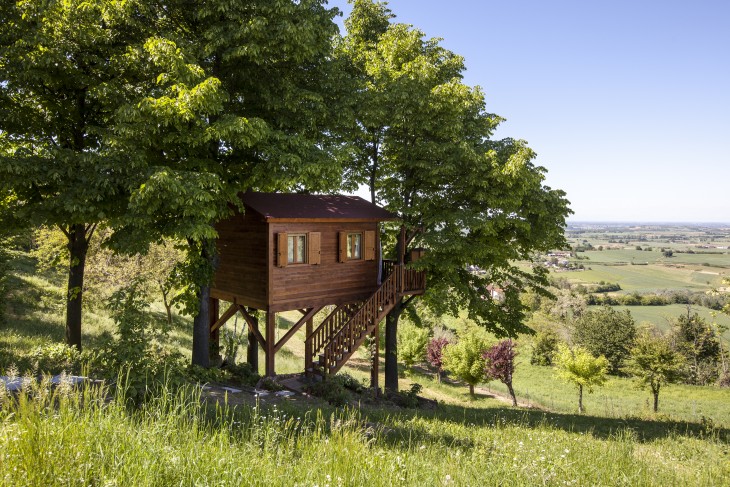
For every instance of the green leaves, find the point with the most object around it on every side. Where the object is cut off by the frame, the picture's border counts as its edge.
(421, 139)
(577, 365)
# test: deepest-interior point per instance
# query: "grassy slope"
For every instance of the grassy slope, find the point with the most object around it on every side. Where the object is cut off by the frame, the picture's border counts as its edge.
(464, 441)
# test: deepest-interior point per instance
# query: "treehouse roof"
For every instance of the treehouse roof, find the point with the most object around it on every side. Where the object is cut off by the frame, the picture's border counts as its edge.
(310, 207)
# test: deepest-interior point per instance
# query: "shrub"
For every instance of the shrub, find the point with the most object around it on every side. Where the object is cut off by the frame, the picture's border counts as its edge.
(434, 354)
(336, 389)
(544, 347)
(412, 342)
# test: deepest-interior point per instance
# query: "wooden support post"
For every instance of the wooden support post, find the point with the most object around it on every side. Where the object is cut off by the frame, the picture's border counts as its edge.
(308, 359)
(252, 351)
(270, 343)
(214, 345)
(375, 367)
(402, 245)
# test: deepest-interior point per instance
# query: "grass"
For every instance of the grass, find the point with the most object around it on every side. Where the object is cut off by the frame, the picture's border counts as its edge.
(82, 438)
(92, 437)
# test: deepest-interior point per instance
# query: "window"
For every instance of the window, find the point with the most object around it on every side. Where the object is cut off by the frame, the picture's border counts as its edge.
(296, 246)
(354, 246)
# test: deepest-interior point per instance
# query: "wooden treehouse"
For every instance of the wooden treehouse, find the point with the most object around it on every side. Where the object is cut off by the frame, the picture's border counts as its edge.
(304, 252)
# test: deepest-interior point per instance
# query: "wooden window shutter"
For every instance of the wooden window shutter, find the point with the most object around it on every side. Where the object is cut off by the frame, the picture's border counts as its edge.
(369, 245)
(342, 255)
(282, 249)
(314, 240)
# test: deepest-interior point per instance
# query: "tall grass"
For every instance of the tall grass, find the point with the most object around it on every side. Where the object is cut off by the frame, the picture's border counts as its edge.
(86, 437)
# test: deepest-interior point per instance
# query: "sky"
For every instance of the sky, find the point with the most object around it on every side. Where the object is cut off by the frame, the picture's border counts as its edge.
(627, 103)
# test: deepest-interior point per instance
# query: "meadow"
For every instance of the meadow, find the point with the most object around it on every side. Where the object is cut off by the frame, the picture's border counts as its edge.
(93, 436)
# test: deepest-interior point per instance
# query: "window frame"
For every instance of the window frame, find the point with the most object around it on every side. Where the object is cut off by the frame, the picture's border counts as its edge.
(352, 245)
(291, 240)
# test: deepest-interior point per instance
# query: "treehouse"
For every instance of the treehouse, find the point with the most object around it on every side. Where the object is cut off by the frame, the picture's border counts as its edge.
(307, 252)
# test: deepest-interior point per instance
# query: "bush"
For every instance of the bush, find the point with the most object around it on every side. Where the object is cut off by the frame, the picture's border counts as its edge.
(544, 347)
(337, 389)
(406, 399)
(55, 358)
(412, 343)
(147, 366)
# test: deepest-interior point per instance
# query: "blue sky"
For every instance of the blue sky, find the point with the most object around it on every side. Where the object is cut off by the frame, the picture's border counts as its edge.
(627, 103)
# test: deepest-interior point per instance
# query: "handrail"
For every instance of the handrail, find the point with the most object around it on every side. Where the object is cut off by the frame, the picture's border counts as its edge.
(343, 331)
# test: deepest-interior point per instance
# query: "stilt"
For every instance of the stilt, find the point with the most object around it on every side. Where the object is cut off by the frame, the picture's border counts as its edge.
(375, 356)
(270, 343)
(308, 359)
(252, 351)
(214, 345)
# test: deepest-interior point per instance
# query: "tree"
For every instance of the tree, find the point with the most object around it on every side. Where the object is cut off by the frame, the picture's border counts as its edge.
(66, 68)
(412, 344)
(435, 354)
(606, 332)
(695, 339)
(421, 141)
(246, 96)
(464, 359)
(668, 253)
(577, 366)
(653, 362)
(545, 344)
(500, 364)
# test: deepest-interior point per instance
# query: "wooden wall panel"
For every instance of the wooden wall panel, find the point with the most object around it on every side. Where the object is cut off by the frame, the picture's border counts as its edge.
(329, 282)
(242, 267)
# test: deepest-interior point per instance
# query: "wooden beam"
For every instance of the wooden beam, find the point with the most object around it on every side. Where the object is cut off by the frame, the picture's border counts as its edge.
(252, 325)
(375, 368)
(295, 328)
(214, 345)
(270, 338)
(225, 317)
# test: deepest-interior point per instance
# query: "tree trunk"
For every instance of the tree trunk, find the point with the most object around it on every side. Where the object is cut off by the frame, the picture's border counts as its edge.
(391, 348)
(655, 391)
(512, 393)
(471, 391)
(78, 246)
(201, 329)
(166, 302)
(438, 375)
(201, 326)
(580, 398)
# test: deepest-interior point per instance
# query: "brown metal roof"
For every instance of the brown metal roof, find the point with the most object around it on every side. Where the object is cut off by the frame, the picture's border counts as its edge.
(302, 207)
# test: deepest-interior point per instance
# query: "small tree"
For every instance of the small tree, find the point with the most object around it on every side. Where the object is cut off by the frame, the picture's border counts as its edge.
(577, 366)
(412, 342)
(544, 347)
(654, 363)
(695, 339)
(500, 364)
(606, 332)
(464, 359)
(435, 354)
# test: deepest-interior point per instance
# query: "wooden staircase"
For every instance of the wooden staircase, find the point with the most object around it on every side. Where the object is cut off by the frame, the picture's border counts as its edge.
(347, 327)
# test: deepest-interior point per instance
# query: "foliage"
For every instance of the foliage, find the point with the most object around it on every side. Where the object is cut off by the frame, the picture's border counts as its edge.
(697, 341)
(464, 358)
(421, 141)
(337, 389)
(435, 354)
(245, 98)
(500, 364)
(545, 344)
(577, 366)
(606, 332)
(145, 364)
(412, 343)
(406, 399)
(66, 69)
(654, 363)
